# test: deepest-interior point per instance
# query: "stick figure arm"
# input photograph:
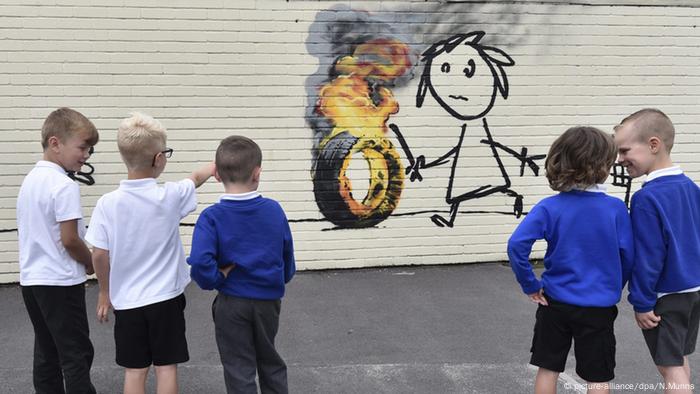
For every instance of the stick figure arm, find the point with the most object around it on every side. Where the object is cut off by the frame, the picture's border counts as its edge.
(418, 163)
(530, 161)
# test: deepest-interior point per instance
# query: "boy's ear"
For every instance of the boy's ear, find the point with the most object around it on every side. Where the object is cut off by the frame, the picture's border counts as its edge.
(256, 174)
(655, 144)
(216, 174)
(53, 142)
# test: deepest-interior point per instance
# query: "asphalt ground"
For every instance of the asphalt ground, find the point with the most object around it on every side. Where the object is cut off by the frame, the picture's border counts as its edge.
(429, 329)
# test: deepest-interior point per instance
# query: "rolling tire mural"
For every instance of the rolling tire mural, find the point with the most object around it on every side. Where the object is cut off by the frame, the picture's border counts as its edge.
(350, 118)
(333, 188)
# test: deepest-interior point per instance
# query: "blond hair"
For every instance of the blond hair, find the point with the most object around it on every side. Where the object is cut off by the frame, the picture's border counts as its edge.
(139, 138)
(651, 122)
(64, 123)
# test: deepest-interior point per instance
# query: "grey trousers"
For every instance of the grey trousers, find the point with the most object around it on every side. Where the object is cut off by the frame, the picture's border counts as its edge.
(245, 336)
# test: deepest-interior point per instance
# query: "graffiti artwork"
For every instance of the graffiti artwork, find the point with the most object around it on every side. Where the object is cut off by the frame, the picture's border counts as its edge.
(465, 77)
(351, 107)
(83, 177)
(356, 104)
(622, 179)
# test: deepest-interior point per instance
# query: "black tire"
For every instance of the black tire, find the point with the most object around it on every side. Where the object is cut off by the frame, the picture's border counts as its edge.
(334, 195)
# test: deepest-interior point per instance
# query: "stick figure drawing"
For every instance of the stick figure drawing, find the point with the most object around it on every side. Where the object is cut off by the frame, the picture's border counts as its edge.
(464, 77)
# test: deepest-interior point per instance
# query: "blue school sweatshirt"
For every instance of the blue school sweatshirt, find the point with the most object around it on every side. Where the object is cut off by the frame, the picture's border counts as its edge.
(666, 224)
(589, 253)
(254, 235)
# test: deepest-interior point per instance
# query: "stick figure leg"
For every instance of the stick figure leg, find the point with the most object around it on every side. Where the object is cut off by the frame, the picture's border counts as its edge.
(442, 222)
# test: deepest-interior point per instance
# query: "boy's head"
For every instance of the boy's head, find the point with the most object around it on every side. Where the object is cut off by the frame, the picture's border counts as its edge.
(580, 157)
(67, 138)
(238, 160)
(141, 141)
(644, 140)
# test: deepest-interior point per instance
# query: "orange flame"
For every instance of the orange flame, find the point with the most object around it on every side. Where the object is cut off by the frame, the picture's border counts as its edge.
(348, 101)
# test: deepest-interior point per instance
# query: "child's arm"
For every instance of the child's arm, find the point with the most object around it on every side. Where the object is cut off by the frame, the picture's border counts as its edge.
(288, 254)
(100, 259)
(650, 255)
(626, 242)
(74, 245)
(203, 255)
(200, 175)
(520, 244)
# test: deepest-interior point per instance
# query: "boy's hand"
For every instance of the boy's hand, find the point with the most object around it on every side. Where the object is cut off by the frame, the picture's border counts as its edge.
(226, 269)
(647, 320)
(201, 175)
(539, 298)
(89, 269)
(103, 307)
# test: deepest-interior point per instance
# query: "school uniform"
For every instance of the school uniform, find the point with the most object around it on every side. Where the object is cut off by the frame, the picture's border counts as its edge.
(666, 278)
(588, 260)
(253, 233)
(139, 225)
(53, 282)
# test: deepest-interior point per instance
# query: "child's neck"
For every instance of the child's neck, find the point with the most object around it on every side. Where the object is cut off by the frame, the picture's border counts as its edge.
(49, 156)
(240, 188)
(142, 174)
(661, 163)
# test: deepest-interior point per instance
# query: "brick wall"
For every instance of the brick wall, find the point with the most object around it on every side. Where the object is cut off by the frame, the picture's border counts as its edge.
(209, 69)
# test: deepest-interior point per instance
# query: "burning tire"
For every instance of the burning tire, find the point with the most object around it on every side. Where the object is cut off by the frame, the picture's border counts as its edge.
(333, 189)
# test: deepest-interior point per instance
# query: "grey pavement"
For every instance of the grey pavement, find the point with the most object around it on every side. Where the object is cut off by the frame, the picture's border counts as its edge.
(434, 329)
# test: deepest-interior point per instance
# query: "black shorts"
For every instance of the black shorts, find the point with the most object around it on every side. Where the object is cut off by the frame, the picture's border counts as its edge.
(151, 334)
(592, 330)
(677, 333)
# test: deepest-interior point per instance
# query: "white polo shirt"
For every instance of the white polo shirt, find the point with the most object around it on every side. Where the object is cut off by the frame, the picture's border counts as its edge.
(139, 225)
(46, 198)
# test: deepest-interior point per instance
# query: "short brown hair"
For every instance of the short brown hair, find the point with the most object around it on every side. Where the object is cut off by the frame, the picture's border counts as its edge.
(65, 123)
(650, 122)
(580, 157)
(236, 159)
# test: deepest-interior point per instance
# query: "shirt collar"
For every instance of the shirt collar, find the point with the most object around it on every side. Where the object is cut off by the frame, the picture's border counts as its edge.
(240, 196)
(50, 164)
(137, 183)
(598, 188)
(675, 170)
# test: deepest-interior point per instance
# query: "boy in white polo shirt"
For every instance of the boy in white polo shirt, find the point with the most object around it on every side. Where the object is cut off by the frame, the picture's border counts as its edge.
(53, 259)
(139, 259)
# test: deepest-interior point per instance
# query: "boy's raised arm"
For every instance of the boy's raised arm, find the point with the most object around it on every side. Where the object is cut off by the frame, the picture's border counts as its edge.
(200, 175)
(74, 245)
(100, 259)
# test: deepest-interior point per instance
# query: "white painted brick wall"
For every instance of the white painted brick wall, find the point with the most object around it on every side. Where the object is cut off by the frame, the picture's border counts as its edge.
(212, 68)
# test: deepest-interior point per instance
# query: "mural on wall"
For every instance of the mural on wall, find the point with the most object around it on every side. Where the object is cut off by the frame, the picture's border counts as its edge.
(465, 77)
(358, 102)
(351, 105)
(349, 118)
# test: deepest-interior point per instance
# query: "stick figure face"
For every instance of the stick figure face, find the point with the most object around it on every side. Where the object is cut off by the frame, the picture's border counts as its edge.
(464, 76)
(462, 82)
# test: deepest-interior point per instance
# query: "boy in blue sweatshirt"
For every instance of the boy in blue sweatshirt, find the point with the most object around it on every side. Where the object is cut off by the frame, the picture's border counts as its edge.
(587, 262)
(665, 284)
(242, 247)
